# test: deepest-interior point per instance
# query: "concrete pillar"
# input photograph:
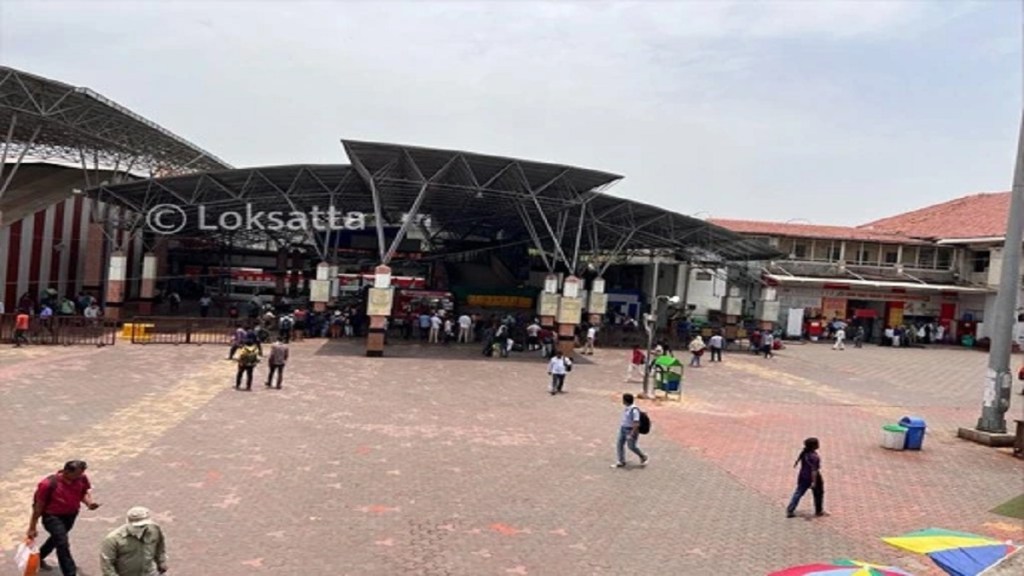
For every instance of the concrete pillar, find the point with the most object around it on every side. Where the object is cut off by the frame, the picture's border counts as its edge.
(116, 272)
(569, 315)
(149, 268)
(379, 302)
(92, 272)
(320, 290)
(280, 274)
(332, 276)
(547, 303)
(598, 302)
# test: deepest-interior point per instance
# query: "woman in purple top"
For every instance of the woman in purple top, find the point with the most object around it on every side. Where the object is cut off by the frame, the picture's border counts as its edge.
(809, 477)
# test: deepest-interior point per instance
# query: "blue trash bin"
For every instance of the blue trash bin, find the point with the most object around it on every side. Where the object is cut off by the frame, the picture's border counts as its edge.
(915, 432)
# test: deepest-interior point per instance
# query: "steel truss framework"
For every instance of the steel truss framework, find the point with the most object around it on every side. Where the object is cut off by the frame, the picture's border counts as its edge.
(49, 120)
(458, 201)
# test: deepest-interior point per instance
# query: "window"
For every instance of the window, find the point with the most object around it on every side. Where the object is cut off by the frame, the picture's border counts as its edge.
(835, 253)
(980, 260)
(703, 276)
(945, 258)
(926, 258)
(892, 255)
(800, 251)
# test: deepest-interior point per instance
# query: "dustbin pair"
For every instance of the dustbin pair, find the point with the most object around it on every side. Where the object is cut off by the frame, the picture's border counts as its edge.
(907, 435)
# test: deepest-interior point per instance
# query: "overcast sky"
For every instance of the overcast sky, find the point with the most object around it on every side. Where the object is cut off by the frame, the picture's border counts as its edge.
(827, 112)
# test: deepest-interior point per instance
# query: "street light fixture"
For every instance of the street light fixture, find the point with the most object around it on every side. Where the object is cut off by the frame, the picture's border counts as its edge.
(651, 324)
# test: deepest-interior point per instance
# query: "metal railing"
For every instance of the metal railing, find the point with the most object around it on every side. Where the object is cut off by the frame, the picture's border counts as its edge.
(181, 330)
(62, 331)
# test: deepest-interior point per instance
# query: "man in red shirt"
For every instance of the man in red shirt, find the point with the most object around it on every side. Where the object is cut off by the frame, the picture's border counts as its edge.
(20, 328)
(57, 501)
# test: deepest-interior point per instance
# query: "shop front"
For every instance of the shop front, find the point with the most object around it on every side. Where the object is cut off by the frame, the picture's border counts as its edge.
(876, 305)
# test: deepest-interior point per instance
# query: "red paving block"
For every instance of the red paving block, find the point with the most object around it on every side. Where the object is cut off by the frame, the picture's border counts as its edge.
(435, 460)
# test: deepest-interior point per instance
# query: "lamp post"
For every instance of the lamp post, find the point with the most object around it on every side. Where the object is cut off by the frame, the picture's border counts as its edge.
(651, 324)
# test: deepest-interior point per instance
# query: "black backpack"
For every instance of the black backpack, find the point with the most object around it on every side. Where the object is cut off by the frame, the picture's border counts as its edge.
(645, 422)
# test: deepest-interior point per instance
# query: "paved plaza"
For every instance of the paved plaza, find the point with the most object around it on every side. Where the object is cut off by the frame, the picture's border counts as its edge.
(437, 460)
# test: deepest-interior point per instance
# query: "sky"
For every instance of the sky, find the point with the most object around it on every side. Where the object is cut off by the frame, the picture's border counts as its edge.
(814, 111)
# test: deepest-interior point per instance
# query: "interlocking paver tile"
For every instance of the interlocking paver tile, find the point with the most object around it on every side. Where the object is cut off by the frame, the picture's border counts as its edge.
(439, 461)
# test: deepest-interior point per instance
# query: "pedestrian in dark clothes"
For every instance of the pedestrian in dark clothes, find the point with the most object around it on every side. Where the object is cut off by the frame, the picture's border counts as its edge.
(810, 478)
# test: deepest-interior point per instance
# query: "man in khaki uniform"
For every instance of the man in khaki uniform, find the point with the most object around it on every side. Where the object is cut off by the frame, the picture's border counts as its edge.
(134, 549)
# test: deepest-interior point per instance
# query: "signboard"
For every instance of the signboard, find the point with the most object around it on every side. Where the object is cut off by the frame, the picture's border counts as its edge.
(833, 307)
(872, 295)
(379, 302)
(598, 303)
(499, 301)
(547, 304)
(570, 310)
(319, 290)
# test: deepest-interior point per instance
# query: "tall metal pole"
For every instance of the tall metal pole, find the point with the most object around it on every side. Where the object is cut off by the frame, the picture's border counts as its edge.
(998, 379)
(651, 325)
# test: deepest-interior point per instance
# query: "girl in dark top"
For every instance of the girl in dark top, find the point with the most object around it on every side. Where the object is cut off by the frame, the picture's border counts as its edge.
(809, 477)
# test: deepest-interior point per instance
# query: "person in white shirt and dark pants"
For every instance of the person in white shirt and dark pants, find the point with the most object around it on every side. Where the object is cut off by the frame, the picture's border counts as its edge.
(558, 368)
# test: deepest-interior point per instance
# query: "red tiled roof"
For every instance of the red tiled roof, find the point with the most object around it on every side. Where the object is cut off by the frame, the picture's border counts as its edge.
(975, 216)
(762, 228)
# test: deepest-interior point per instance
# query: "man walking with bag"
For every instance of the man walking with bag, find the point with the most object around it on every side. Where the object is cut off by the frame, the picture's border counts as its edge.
(629, 432)
(135, 549)
(57, 501)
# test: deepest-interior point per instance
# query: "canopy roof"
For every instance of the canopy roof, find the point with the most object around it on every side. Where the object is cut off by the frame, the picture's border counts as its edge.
(51, 120)
(462, 197)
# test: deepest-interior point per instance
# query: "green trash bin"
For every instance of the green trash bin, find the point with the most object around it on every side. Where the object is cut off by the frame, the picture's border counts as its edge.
(894, 437)
(967, 340)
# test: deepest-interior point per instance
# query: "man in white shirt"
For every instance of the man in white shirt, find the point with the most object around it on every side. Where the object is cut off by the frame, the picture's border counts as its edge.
(435, 328)
(588, 347)
(465, 322)
(716, 343)
(532, 332)
(557, 368)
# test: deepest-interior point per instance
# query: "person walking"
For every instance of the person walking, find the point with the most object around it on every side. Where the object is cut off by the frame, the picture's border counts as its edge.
(858, 337)
(716, 343)
(278, 358)
(248, 358)
(629, 432)
(588, 346)
(768, 344)
(636, 362)
(21, 328)
(696, 350)
(809, 477)
(558, 367)
(465, 323)
(135, 549)
(840, 339)
(435, 329)
(204, 305)
(57, 501)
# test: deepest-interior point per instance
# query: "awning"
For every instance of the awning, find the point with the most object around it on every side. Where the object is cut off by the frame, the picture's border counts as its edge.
(815, 280)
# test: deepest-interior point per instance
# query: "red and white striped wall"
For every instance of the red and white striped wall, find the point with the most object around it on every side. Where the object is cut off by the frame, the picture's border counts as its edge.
(49, 249)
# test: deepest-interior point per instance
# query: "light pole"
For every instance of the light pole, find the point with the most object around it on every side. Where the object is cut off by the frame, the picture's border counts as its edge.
(651, 325)
(998, 378)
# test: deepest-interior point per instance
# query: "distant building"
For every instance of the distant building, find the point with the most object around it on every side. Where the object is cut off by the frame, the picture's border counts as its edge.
(938, 265)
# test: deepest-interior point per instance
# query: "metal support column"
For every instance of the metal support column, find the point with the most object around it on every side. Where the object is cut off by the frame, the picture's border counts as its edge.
(998, 379)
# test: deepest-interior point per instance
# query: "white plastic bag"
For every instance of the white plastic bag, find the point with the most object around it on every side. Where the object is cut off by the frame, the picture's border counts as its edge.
(27, 558)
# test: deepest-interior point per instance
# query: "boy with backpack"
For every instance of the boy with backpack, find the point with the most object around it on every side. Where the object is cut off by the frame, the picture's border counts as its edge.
(633, 423)
(248, 358)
